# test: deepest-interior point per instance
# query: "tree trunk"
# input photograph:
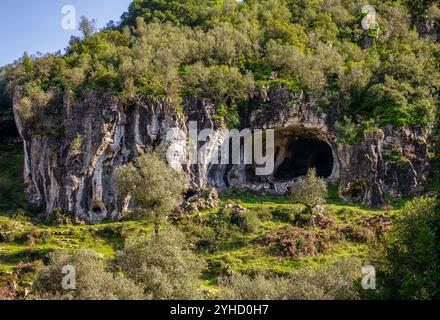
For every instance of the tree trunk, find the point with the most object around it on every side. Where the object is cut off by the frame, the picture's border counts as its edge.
(156, 224)
(312, 216)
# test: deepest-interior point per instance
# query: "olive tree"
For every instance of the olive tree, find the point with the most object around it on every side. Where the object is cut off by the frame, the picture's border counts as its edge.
(87, 27)
(311, 192)
(92, 280)
(153, 185)
(339, 281)
(163, 266)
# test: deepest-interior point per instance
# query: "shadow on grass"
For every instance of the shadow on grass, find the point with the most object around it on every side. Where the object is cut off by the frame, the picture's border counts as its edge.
(24, 256)
(12, 196)
(253, 198)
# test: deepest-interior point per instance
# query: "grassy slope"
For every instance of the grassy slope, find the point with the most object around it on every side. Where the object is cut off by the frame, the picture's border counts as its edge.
(27, 239)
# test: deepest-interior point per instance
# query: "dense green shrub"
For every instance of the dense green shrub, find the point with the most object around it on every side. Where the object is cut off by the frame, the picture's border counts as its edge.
(232, 219)
(216, 49)
(188, 12)
(93, 281)
(247, 222)
(163, 266)
(283, 214)
(294, 215)
(156, 187)
(298, 242)
(5, 100)
(337, 282)
(10, 230)
(408, 265)
(311, 192)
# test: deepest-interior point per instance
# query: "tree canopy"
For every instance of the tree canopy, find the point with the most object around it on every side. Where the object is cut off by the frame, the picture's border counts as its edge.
(181, 12)
(153, 185)
(224, 50)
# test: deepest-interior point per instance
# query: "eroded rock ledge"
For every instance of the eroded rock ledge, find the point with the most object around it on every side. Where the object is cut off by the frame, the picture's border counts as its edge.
(74, 149)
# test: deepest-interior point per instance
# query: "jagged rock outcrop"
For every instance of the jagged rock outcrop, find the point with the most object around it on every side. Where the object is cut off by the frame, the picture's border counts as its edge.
(74, 168)
(73, 151)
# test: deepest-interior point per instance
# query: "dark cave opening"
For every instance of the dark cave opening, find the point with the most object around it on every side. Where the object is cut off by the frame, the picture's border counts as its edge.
(297, 150)
(189, 194)
(302, 154)
(97, 210)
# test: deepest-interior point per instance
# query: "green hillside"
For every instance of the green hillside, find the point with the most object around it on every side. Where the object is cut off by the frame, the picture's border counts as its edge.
(248, 246)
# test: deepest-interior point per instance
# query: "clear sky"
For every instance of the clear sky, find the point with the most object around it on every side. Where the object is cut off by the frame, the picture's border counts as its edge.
(36, 25)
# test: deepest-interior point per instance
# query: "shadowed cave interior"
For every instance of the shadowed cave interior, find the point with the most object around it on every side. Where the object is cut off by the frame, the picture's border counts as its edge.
(301, 155)
(296, 151)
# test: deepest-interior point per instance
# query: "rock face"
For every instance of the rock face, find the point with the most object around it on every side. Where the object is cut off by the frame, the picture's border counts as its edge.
(73, 167)
(74, 149)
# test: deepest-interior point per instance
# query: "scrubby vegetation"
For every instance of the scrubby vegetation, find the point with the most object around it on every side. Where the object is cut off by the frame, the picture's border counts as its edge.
(163, 266)
(337, 282)
(409, 256)
(92, 280)
(223, 50)
(5, 100)
(157, 188)
(310, 192)
(248, 246)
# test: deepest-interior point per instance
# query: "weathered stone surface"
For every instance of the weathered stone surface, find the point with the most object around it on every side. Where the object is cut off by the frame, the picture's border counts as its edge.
(204, 199)
(110, 135)
(73, 152)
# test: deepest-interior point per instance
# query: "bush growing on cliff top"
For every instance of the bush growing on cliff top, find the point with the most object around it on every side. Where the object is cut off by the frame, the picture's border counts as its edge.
(5, 101)
(216, 48)
(180, 12)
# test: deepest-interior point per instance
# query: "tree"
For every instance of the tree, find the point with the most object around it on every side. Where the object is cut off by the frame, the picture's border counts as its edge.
(310, 192)
(5, 100)
(163, 266)
(418, 8)
(153, 185)
(218, 48)
(409, 260)
(187, 12)
(28, 65)
(336, 282)
(92, 280)
(87, 27)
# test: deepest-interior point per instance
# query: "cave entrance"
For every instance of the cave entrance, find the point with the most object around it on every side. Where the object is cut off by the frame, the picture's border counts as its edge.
(297, 150)
(301, 154)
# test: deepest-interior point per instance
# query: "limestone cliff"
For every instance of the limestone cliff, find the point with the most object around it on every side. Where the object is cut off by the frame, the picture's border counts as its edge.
(73, 152)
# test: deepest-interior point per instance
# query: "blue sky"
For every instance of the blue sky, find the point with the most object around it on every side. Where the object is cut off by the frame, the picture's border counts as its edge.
(35, 25)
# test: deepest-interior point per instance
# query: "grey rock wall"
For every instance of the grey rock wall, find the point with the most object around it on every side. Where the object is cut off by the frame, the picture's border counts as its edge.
(73, 151)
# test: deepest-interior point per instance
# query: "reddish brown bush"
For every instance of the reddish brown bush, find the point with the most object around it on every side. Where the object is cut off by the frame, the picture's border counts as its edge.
(324, 222)
(379, 224)
(357, 233)
(7, 291)
(297, 242)
(366, 229)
